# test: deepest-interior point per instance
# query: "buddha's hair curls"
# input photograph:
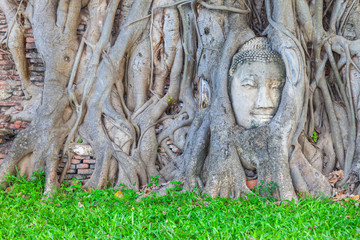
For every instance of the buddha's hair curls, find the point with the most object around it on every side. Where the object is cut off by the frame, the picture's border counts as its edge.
(255, 50)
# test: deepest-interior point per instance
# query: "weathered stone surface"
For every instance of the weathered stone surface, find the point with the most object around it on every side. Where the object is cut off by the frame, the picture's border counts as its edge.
(77, 176)
(85, 171)
(4, 94)
(81, 149)
(92, 161)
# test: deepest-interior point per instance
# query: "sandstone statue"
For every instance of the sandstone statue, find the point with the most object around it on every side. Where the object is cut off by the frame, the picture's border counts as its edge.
(257, 76)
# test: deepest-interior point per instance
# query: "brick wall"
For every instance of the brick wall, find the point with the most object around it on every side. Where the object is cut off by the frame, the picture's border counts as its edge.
(11, 96)
(81, 167)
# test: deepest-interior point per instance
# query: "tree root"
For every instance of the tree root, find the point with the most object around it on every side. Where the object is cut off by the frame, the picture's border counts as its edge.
(306, 178)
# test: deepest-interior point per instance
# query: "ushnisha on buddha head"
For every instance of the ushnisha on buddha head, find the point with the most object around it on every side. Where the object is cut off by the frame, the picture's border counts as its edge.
(256, 78)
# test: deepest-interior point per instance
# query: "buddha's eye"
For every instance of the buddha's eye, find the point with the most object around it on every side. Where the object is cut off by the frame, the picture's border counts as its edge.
(276, 84)
(249, 83)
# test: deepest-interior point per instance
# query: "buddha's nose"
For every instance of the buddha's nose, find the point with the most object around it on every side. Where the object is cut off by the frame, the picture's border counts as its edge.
(264, 99)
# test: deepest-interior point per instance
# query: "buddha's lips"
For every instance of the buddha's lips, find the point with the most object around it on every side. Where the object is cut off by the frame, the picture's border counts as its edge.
(263, 117)
(262, 113)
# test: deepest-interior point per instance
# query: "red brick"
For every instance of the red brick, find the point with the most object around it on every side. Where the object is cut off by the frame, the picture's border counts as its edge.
(89, 161)
(81, 27)
(5, 87)
(61, 165)
(2, 72)
(15, 83)
(71, 171)
(32, 55)
(15, 78)
(82, 166)
(78, 157)
(17, 99)
(6, 67)
(36, 60)
(3, 79)
(36, 78)
(5, 62)
(30, 45)
(75, 161)
(37, 68)
(85, 171)
(8, 103)
(30, 40)
(2, 155)
(36, 74)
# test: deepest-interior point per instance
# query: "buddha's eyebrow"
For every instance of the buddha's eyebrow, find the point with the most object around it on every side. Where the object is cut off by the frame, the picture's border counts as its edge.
(276, 80)
(249, 77)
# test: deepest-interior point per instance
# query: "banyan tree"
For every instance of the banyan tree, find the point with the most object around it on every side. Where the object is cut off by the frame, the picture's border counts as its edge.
(240, 86)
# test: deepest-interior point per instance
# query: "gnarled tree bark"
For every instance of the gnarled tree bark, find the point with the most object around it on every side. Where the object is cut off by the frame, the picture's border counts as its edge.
(109, 89)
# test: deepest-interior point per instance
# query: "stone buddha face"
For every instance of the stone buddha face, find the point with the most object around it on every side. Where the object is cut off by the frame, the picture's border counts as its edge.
(257, 78)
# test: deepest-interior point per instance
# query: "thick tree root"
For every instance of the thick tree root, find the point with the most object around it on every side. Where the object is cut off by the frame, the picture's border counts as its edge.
(306, 178)
(37, 148)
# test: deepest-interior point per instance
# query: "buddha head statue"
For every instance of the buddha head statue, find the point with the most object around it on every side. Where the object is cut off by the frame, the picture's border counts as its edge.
(256, 78)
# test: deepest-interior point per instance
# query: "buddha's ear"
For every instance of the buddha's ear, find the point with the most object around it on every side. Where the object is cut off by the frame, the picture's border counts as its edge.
(293, 70)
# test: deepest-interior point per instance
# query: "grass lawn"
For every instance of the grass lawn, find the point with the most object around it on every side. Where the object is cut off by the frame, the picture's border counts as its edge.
(75, 214)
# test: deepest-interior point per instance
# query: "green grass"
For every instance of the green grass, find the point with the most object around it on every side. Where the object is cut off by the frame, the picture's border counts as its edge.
(74, 214)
